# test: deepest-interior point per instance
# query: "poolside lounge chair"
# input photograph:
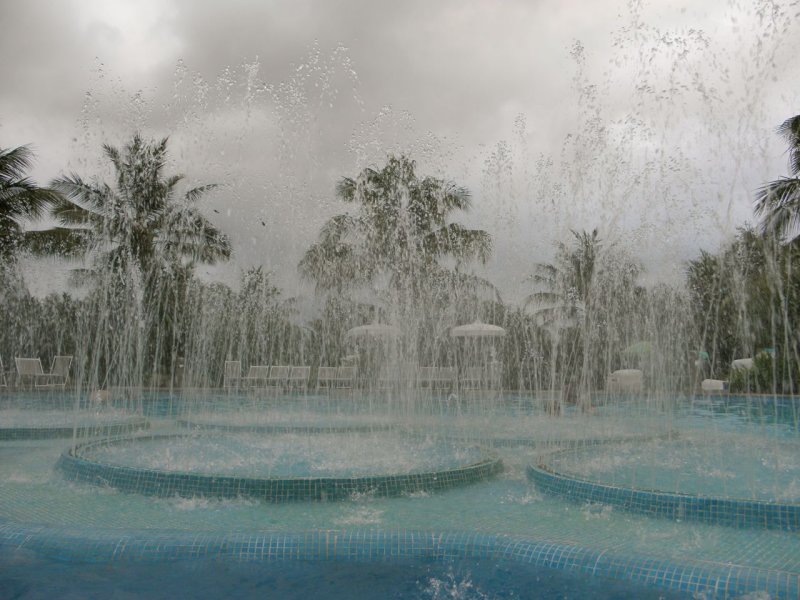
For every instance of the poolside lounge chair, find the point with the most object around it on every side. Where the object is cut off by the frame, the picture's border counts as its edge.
(426, 376)
(3, 373)
(443, 378)
(472, 379)
(388, 377)
(278, 377)
(59, 370)
(298, 378)
(233, 374)
(346, 378)
(326, 377)
(257, 376)
(30, 370)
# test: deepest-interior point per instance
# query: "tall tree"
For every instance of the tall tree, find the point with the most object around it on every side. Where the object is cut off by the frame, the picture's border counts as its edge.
(401, 227)
(21, 200)
(584, 299)
(778, 202)
(567, 283)
(143, 241)
(140, 220)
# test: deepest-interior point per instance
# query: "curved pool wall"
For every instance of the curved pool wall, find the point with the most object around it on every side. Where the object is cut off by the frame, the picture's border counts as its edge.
(81, 431)
(279, 428)
(392, 546)
(568, 443)
(156, 482)
(729, 512)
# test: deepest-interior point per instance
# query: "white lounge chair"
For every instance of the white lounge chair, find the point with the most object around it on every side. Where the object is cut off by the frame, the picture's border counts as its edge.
(472, 379)
(30, 370)
(233, 375)
(257, 376)
(298, 378)
(389, 377)
(346, 378)
(278, 377)
(444, 378)
(3, 373)
(426, 376)
(59, 370)
(326, 377)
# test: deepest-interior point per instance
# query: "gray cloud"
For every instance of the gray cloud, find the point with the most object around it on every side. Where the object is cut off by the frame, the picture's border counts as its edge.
(659, 138)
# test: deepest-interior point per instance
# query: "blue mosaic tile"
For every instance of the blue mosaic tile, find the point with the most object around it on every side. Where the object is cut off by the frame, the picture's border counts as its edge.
(729, 512)
(152, 482)
(44, 433)
(705, 580)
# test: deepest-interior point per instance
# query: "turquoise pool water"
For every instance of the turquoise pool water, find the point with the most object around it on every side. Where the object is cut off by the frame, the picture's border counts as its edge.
(726, 464)
(34, 495)
(288, 454)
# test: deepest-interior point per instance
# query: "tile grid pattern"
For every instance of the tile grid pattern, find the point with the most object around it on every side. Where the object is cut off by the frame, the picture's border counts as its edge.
(705, 509)
(45, 433)
(159, 483)
(286, 428)
(712, 580)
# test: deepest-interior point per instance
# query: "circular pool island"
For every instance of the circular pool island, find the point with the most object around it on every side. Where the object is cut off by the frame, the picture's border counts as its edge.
(278, 467)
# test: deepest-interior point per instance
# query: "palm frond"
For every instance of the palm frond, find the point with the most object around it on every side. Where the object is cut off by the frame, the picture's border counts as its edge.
(15, 163)
(194, 194)
(460, 242)
(58, 241)
(790, 131)
(778, 204)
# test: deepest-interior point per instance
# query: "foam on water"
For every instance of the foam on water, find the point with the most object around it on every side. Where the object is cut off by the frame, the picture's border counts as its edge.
(27, 418)
(743, 465)
(288, 454)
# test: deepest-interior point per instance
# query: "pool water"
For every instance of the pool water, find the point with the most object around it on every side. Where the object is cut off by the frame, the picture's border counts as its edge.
(742, 466)
(34, 496)
(288, 454)
(28, 577)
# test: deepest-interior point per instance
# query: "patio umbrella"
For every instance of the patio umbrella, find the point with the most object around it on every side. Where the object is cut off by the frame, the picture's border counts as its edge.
(373, 331)
(477, 330)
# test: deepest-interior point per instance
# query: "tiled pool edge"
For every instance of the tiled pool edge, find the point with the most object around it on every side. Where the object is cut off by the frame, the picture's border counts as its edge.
(153, 482)
(711, 579)
(279, 428)
(46, 433)
(712, 510)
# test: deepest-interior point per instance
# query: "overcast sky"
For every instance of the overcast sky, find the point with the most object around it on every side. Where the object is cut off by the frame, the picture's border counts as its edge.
(653, 121)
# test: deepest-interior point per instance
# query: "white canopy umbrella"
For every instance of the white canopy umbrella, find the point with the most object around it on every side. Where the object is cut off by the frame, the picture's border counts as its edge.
(477, 330)
(374, 330)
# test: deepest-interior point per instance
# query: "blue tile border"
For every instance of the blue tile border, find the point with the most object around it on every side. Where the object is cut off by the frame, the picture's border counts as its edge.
(708, 580)
(730, 512)
(46, 433)
(572, 444)
(153, 482)
(281, 428)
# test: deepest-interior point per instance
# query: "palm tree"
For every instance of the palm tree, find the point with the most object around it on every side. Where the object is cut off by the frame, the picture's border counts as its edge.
(568, 282)
(140, 221)
(145, 242)
(401, 227)
(778, 202)
(585, 304)
(22, 200)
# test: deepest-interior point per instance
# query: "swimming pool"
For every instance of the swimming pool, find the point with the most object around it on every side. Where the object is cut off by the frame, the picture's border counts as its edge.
(503, 525)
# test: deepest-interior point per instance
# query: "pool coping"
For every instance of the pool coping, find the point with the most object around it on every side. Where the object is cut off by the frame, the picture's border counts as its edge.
(713, 510)
(280, 428)
(162, 483)
(714, 580)
(113, 428)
